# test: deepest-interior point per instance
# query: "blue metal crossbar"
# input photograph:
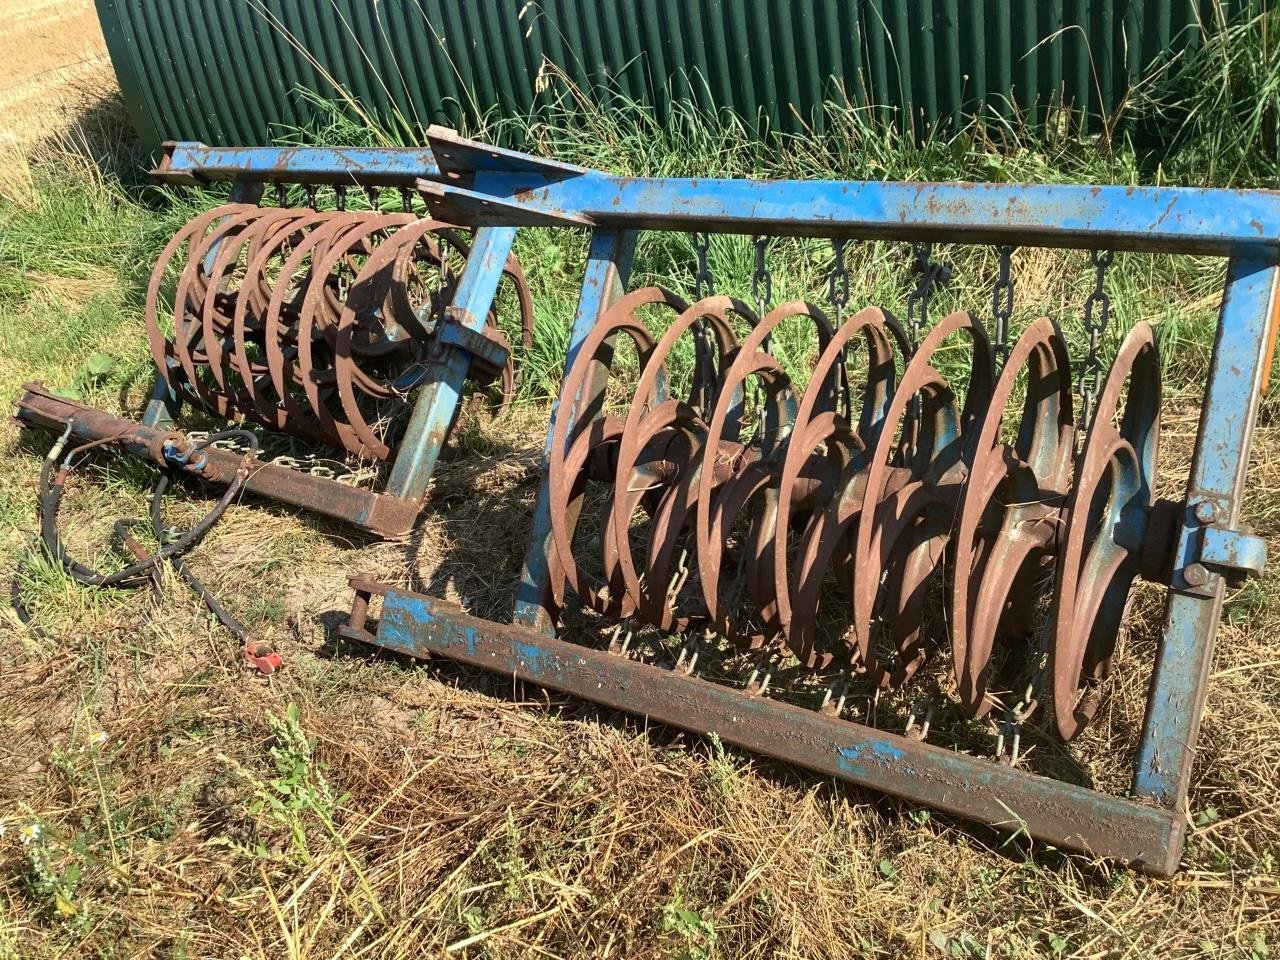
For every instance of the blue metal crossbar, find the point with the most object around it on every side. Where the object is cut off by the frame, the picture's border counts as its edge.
(501, 190)
(1150, 219)
(186, 164)
(483, 185)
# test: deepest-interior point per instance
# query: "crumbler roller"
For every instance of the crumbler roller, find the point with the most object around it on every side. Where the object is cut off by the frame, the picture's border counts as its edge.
(734, 539)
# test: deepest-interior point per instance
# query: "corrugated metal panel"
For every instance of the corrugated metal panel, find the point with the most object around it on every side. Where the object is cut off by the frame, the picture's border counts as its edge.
(230, 71)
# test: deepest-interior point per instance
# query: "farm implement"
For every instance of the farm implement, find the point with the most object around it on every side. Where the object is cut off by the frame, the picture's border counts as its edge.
(935, 514)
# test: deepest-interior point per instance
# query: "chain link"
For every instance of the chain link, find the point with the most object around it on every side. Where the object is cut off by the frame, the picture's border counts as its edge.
(282, 195)
(838, 294)
(312, 190)
(930, 274)
(704, 284)
(1002, 303)
(838, 279)
(1097, 313)
(761, 279)
(762, 282)
(340, 196)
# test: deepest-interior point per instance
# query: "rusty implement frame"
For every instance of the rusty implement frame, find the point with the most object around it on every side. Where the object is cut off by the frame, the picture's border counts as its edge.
(378, 513)
(1062, 814)
(446, 340)
(1203, 544)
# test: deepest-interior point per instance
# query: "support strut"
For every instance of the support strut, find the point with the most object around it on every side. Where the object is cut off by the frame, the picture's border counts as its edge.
(1061, 814)
(378, 513)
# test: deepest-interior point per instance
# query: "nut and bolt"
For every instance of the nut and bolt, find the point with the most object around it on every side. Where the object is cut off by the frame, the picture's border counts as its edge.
(1196, 575)
(1206, 511)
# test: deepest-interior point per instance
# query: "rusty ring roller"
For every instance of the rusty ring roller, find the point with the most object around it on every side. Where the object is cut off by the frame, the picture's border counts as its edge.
(316, 324)
(746, 505)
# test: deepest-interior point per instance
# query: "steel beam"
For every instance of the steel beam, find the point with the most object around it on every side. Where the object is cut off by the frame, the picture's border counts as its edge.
(604, 280)
(1061, 814)
(1250, 309)
(378, 513)
(481, 184)
(189, 163)
(1243, 223)
(437, 402)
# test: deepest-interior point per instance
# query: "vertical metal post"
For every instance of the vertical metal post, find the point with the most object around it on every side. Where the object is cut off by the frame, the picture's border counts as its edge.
(162, 406)
(603, 282)
(1217, 474)
(438, 399)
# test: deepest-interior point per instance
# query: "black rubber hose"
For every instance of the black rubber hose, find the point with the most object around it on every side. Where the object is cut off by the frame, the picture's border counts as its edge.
(147, 568)
(161, 531)
(51, 491)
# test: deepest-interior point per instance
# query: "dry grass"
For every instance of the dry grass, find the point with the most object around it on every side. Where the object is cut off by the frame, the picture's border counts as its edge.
(55, 61)
(54, 68)
(443, 811)
(357, 805)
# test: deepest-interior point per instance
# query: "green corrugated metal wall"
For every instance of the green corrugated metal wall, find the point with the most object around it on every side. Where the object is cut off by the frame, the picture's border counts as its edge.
(228, 71)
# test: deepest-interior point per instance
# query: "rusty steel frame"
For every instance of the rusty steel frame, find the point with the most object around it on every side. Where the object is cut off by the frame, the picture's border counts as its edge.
(378, 513)
(499, 190)
(1062, 814)
(1145, 829)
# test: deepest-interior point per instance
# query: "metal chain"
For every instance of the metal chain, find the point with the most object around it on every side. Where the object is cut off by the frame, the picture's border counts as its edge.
(282, 195)
(312, 190)
(918, 299)
(838, 279)
(1010, 727)
(838, 294)
(704, 284)
(373, 195)
(1097, 312)
(762, 293)
(1002, 303)
(762, 281)
(340, 196)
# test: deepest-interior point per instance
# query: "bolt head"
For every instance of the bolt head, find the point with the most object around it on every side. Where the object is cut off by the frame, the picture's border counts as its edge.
(1206, 511)
(1196, 575)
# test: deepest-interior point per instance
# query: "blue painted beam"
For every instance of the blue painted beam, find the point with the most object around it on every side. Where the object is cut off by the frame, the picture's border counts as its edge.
(1062, 814)
(503, 187)
(437, 402)
(1242, 223)
(603, 282)
(189, 163)
(1218, 470)
(460, 155)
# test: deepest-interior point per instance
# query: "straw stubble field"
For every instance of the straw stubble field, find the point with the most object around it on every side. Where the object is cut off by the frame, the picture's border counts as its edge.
(54, 59)
(159, 798)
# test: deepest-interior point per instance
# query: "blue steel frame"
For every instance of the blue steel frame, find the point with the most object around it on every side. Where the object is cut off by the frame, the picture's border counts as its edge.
(499, 190)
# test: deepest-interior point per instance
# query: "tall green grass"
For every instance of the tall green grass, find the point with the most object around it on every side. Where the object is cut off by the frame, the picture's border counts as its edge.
(1212, 116)
(1209, 117)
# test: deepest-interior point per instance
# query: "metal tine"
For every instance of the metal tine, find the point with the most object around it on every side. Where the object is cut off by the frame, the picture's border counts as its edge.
(835, 708)
(916, 729)
(687, 661)
(1009, 736)
(620, 641)
(762, 673)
